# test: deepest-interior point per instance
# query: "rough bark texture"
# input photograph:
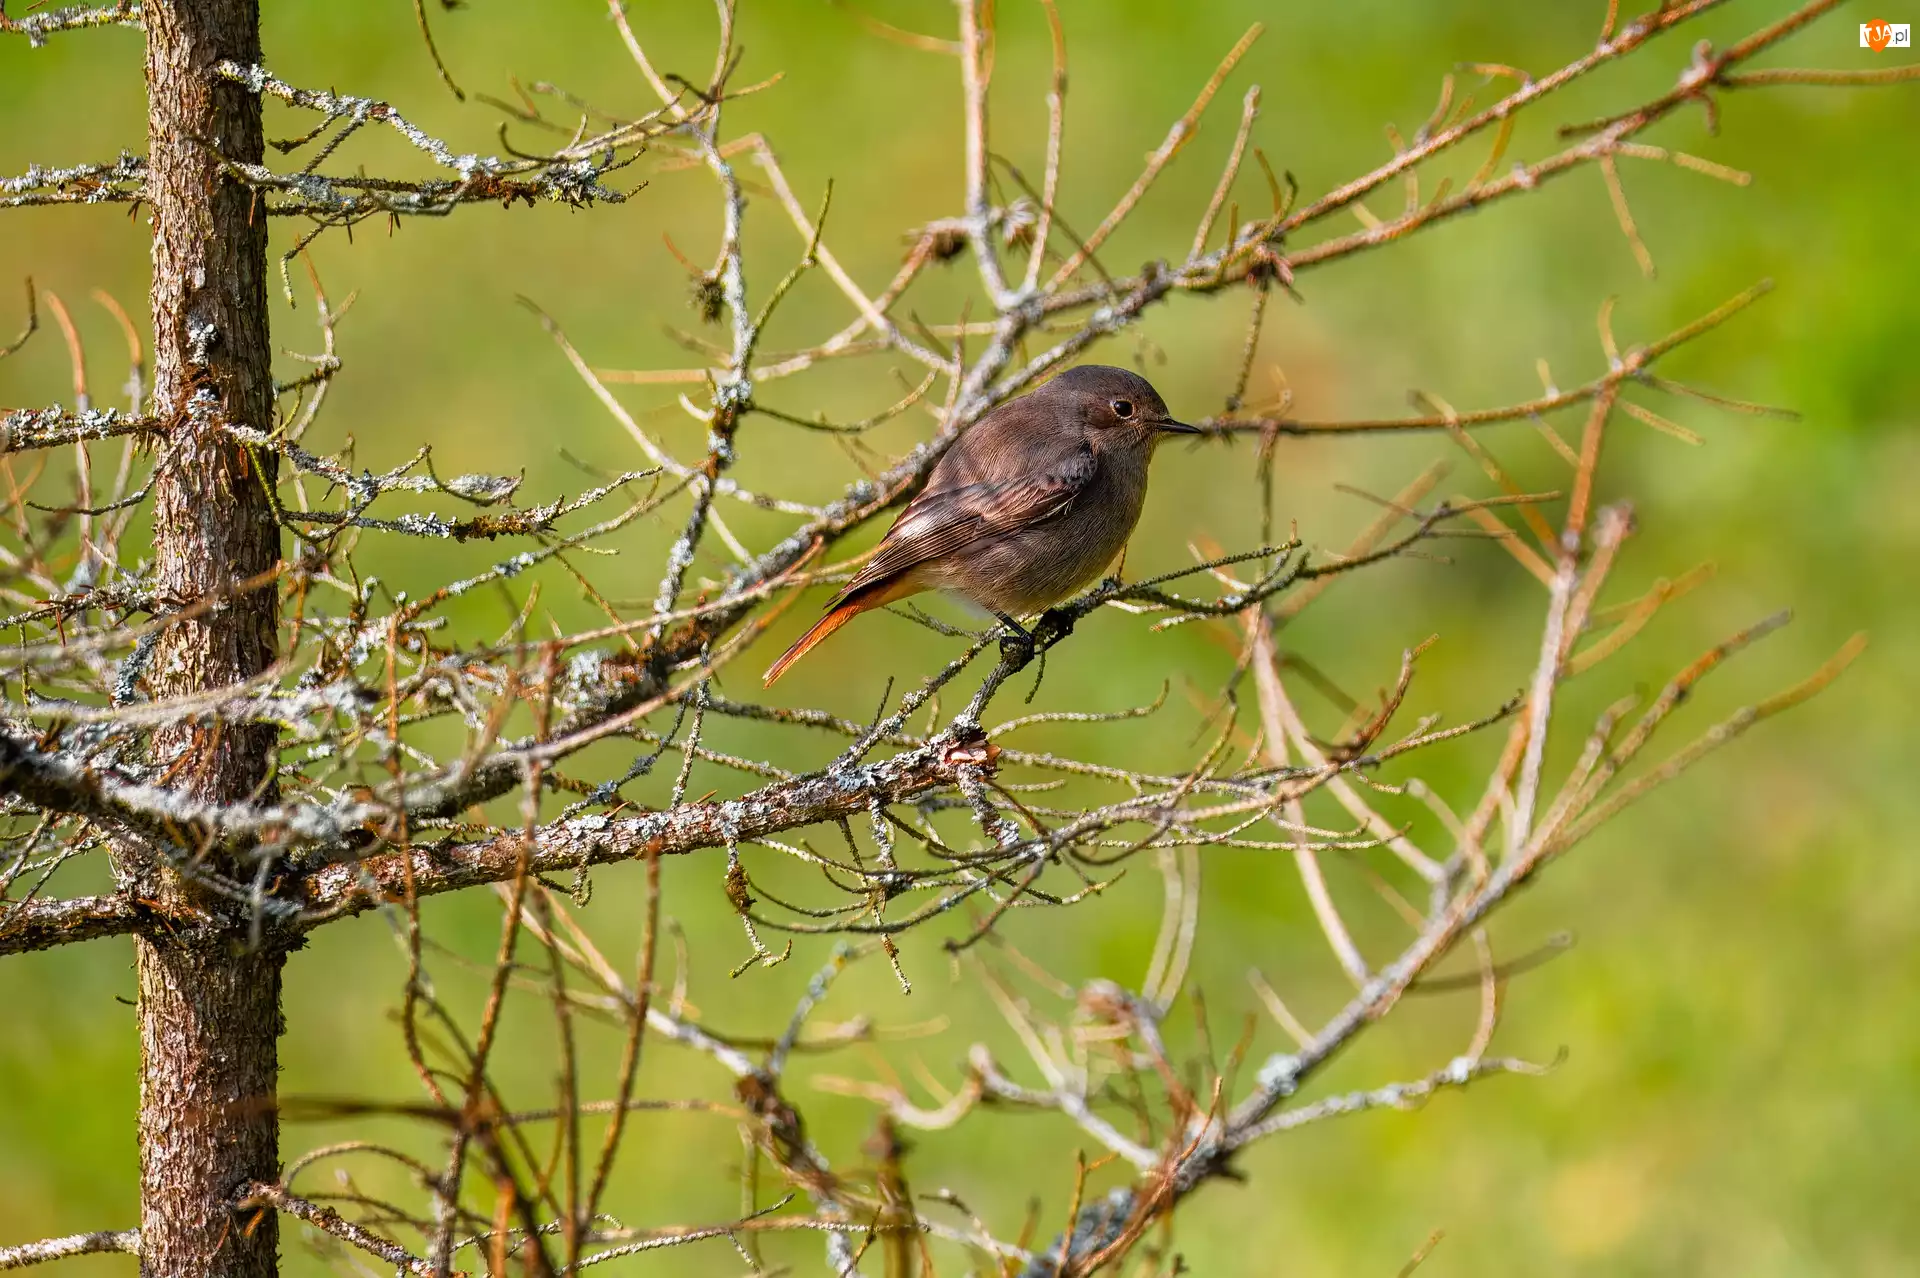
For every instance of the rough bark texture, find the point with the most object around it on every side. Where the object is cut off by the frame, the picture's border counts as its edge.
(209, 1052)
(209, 1006)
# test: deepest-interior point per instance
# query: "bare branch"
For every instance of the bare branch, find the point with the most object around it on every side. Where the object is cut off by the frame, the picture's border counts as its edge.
(24, 1254)
(38, 26)
(30, 428)
(262, 1195)
(120, 182)
(45, 924)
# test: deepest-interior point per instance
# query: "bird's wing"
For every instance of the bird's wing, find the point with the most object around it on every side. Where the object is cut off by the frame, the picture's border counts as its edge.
(938, 523)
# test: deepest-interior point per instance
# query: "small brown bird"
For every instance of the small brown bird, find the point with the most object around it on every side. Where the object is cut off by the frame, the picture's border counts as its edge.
(1030, 504)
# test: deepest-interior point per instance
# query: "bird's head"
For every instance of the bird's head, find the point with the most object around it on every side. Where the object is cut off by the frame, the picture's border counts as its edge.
(1112, 401)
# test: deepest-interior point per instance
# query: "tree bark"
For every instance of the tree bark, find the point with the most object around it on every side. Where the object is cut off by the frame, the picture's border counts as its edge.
(209, 997)
(209, 1054)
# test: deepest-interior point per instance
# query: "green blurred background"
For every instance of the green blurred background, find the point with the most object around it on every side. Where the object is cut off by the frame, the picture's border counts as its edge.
(1739, 1089)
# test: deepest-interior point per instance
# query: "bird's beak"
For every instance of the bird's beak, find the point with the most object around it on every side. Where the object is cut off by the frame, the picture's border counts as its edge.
(1172, 427)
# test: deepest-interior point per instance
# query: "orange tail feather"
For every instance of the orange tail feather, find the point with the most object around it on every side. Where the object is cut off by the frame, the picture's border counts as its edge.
(821, 629)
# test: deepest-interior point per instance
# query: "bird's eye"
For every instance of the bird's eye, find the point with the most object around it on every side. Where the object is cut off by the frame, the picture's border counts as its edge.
(1123, 408)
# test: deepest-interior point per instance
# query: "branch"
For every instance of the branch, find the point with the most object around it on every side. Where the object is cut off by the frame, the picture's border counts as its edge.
(1630, 37)
(121, 182)
(39, 26)
(124, 1240)
(335, 891)
(29, 428)
(1634, 365)
(1457, 1073)
(259, 1195)
(44, 924)
(60, 783)
(1282, 1075)
(568, 172)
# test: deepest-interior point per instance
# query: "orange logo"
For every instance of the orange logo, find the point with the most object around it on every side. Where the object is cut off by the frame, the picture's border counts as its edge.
(1878, 34)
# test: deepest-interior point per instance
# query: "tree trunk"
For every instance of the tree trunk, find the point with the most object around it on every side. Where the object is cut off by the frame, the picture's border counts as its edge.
(209, 1000)
(209, 1051)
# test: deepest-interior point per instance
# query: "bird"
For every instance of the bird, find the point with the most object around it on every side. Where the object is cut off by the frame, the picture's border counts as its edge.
(1031, 503)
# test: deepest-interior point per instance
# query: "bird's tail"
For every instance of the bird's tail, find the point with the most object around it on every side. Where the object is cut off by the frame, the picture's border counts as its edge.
(821, 629)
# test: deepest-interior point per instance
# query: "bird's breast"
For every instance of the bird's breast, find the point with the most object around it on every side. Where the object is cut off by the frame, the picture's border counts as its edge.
(1023, 572)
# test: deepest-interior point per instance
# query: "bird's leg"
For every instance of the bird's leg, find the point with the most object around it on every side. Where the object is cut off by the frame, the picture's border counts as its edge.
(1016, 646)
(1057, 623)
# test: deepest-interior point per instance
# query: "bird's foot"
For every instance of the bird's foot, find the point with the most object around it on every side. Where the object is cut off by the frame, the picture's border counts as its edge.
(1016, 645)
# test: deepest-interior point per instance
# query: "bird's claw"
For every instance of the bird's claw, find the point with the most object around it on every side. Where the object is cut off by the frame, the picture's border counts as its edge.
(1016, 648)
